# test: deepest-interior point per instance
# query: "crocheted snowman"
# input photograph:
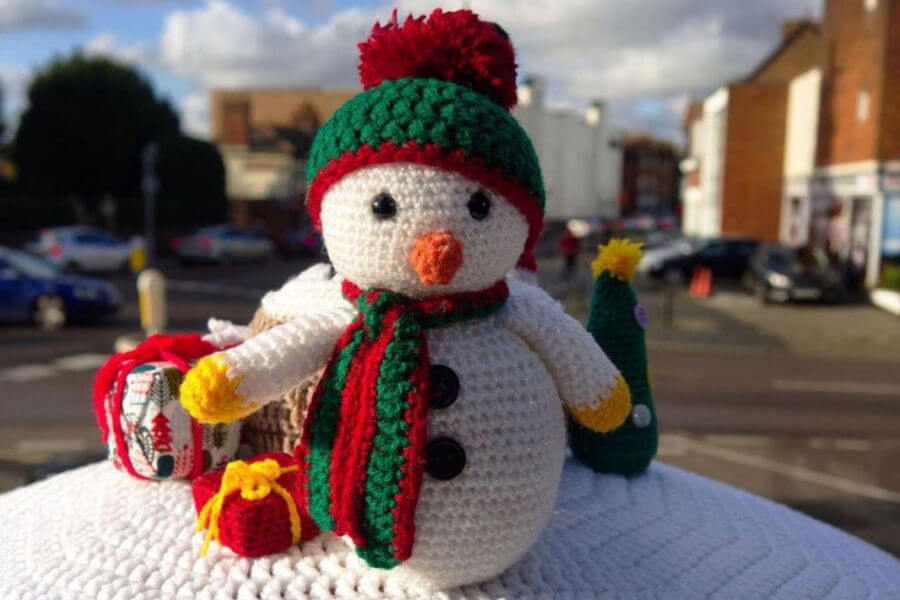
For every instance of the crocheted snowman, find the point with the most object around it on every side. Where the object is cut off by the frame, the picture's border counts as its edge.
(436, 437)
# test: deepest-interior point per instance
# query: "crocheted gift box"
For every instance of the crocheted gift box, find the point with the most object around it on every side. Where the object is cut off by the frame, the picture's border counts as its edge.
(148, 433)
(258, 527)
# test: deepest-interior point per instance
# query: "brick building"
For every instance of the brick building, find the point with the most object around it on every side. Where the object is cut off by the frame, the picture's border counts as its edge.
(806, 150)
(850, 204)
(264, 136)
(650, 177)
(736, 136)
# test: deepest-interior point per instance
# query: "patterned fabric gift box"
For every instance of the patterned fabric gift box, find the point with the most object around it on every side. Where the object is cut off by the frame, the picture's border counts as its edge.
(148, 433)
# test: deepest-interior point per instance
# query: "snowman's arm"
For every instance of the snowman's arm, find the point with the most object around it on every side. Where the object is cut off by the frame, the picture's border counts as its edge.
(229, 385)
(589, 384)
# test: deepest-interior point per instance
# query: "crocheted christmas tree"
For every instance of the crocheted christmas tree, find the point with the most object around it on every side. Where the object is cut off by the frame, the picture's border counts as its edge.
(617, 321)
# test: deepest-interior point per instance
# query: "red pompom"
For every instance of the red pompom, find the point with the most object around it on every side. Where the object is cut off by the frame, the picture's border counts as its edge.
(452, 46)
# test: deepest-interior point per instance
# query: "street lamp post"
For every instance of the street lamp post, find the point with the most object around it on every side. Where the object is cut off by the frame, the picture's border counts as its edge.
(149, 188)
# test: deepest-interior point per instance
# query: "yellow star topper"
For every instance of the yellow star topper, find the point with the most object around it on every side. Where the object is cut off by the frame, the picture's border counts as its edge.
(620, 257)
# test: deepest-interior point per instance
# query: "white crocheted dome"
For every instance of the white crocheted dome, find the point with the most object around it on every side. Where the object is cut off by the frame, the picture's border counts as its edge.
(96, 533)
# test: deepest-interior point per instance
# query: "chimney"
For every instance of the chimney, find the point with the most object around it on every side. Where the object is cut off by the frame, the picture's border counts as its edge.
(532, 92)
(792, 26)
(595, 112)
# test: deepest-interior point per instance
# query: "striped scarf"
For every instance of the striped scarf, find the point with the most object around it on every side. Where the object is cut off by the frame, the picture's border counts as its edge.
(362, 453)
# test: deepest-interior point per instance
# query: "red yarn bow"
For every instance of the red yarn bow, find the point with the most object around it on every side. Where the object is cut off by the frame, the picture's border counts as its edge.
(177, 349)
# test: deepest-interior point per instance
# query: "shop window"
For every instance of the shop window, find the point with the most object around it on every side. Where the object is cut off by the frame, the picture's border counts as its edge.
(863, 102)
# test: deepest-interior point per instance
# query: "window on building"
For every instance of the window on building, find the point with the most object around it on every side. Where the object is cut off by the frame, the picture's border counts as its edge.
(871, 4)
(863, 102)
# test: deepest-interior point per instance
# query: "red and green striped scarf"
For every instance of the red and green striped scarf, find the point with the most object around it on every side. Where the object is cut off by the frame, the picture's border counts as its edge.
(363, 448)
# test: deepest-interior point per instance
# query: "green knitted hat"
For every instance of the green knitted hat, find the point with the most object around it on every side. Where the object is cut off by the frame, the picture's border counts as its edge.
(437, 93)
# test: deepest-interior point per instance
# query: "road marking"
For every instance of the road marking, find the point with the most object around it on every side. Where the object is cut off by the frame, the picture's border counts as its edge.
(744, 441)
(51, 445)
(842, 484)
(26, 373)
(214, 289)
(852, 445)
(671, 445)
(80, 362)
(838, 387)
(74, 363)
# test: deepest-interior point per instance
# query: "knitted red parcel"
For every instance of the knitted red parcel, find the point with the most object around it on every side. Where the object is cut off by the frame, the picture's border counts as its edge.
(258, 527)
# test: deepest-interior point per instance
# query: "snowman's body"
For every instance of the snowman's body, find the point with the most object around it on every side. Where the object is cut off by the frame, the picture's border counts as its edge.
(515, 367)
(428, 193)
(509, 421)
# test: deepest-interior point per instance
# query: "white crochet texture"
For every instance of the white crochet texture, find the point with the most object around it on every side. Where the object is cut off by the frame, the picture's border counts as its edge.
(375, 252)
(316, 288)
(583, 373)
(509, 421)
(273, 362)
(95, 533)
(513, 368)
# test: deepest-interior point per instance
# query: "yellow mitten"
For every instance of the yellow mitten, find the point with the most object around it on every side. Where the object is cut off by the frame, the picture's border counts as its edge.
(210, 395)
(609, 412)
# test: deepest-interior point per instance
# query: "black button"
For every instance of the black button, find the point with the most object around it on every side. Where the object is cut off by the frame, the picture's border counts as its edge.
(444, 458)
(444, 386)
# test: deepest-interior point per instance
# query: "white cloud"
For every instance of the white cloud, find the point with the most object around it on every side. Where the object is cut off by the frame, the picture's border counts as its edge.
(106, 44)
(14, 83)
(195, 114)
(38, 14)
(645, 56)
(219, 45)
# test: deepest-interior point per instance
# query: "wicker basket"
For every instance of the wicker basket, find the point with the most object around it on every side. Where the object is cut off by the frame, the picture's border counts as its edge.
(277, 427)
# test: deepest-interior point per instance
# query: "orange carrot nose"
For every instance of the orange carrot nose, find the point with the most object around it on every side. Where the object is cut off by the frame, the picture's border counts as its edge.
(436, 257)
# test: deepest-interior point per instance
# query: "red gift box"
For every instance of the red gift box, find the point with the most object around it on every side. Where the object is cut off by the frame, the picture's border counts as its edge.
(248, 506)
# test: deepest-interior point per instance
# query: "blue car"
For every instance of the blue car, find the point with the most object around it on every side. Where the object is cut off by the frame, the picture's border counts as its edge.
(32, 289)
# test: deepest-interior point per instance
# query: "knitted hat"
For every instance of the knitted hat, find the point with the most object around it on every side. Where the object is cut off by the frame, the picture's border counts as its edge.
(438, 91)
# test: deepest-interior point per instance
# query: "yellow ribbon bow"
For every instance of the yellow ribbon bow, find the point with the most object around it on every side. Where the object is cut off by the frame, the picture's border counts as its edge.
(254, 481)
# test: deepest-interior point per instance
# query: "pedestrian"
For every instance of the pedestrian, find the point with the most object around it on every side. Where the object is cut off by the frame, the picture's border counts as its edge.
(569, 246)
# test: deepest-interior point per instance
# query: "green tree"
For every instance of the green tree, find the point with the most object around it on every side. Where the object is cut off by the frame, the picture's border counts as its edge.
(82, 134)
(192, 181)
(84, 128)
(2, 117)
(617, 323)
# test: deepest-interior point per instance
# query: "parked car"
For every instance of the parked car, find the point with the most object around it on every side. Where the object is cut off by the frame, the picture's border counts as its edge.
(78, 248)
(782, 274)
(32, 288)
(300, 242)
(654, 255)
(726, 257)
(222, 244)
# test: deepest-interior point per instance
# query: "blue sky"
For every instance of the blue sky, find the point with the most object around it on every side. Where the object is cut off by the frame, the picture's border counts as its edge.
(646, 57)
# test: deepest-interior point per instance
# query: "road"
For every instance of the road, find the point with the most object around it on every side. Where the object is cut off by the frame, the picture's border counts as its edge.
(737, 402)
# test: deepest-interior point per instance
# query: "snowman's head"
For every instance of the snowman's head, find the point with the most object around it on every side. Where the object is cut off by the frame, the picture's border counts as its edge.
(420, 230)
(424, 184)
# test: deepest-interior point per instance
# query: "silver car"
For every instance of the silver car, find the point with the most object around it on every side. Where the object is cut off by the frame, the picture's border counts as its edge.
(78, 248)
(222, 244)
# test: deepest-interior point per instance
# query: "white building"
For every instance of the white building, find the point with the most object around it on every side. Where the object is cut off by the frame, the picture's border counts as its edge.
(702, 188)
(581, 157)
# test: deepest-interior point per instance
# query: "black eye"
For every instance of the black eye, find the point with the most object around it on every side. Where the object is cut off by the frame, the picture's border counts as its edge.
(479, 205)
(384, 206)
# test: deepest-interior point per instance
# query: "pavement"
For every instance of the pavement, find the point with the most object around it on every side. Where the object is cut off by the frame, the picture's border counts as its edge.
(798, 403)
